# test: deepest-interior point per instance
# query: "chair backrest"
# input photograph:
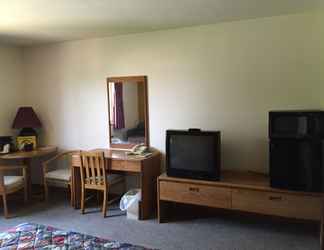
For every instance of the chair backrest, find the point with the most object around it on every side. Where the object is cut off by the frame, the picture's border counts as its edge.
(67, 158)
(62, 160)
(93, 169)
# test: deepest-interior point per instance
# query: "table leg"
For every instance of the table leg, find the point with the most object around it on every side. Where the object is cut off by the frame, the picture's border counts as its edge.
(27, 162)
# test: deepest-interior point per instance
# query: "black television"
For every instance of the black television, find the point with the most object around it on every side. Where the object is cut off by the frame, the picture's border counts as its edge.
(296, 124)
(193, 154)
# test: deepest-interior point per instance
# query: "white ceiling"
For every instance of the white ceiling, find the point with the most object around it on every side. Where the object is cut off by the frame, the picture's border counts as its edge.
(30, 22)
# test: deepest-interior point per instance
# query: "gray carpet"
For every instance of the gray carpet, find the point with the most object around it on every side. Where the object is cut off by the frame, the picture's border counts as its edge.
(223, 232)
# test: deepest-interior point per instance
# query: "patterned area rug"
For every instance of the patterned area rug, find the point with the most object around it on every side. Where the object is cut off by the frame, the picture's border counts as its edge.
(30, 236)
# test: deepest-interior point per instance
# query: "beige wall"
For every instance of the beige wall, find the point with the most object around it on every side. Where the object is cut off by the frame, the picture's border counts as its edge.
(320, 19)
(225, 76)
(11, 86)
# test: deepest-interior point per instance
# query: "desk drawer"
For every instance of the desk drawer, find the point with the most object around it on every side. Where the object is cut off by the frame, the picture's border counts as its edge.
(195, 194)
(130, 166)
(279, 204)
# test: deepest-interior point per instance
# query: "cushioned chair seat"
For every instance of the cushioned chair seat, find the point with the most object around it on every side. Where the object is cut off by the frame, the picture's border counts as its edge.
(111, 178)
(59, 174)
(13, 181)
(114, 177)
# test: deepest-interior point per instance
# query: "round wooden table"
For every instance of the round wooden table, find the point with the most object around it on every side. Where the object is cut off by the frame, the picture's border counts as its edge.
(26, 158)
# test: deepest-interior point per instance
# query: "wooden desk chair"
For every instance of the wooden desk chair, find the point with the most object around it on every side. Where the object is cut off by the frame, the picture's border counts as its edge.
(11, 184)
(56, 175)
(94, 175)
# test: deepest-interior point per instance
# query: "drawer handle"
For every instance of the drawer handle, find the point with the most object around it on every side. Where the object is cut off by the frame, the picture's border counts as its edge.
(275, 198)
(193, 189)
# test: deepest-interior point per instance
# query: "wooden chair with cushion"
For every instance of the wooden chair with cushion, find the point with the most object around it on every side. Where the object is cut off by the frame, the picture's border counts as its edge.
(56, 175)
(95, 176)
(10, 184)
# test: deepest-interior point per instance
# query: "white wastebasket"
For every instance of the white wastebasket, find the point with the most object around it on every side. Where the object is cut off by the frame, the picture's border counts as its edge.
(130, 203)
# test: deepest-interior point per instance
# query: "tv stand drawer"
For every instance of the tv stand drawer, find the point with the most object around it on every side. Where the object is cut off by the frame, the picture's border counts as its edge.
(239, 191)
(197, 194)
(279, 204)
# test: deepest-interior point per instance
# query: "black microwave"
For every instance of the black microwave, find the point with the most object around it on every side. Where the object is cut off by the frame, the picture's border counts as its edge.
(296, 124)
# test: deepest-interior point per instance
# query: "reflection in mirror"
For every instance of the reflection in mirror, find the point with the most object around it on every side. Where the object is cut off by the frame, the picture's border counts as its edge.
(127, 112)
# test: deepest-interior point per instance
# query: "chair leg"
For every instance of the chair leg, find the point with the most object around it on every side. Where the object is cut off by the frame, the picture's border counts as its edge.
(25, 194)
(71, 194)
(68, 191)
(104, 206)
(124, 186)
(5, 207)
(98, 193)
(82, 199)
(26, 191)
(45, 191)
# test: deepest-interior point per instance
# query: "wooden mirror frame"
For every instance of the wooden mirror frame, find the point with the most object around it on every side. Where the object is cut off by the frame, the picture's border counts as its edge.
(130, 79)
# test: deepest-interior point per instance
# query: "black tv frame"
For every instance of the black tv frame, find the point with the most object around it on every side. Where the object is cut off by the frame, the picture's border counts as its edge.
(200, 175)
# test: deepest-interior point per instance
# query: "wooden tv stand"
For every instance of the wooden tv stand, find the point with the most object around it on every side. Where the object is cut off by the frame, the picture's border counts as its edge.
(242, 191)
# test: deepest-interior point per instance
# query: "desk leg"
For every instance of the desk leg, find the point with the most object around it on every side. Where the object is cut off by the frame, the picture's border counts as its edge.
(27, 162)
(76, 187)
(149, 175)
(72, 200)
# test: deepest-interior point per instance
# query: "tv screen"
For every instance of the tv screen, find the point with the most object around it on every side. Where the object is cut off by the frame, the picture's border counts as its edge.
(193, 154)
(291, 125)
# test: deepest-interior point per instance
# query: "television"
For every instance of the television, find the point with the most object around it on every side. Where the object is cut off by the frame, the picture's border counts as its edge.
(296, 124)
(193, 154)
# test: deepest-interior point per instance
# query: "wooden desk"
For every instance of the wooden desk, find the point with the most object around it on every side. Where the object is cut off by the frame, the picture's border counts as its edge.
(148, 169)
(27, 157)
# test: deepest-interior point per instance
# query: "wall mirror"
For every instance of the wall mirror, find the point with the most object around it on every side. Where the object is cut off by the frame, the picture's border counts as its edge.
(128, 111)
